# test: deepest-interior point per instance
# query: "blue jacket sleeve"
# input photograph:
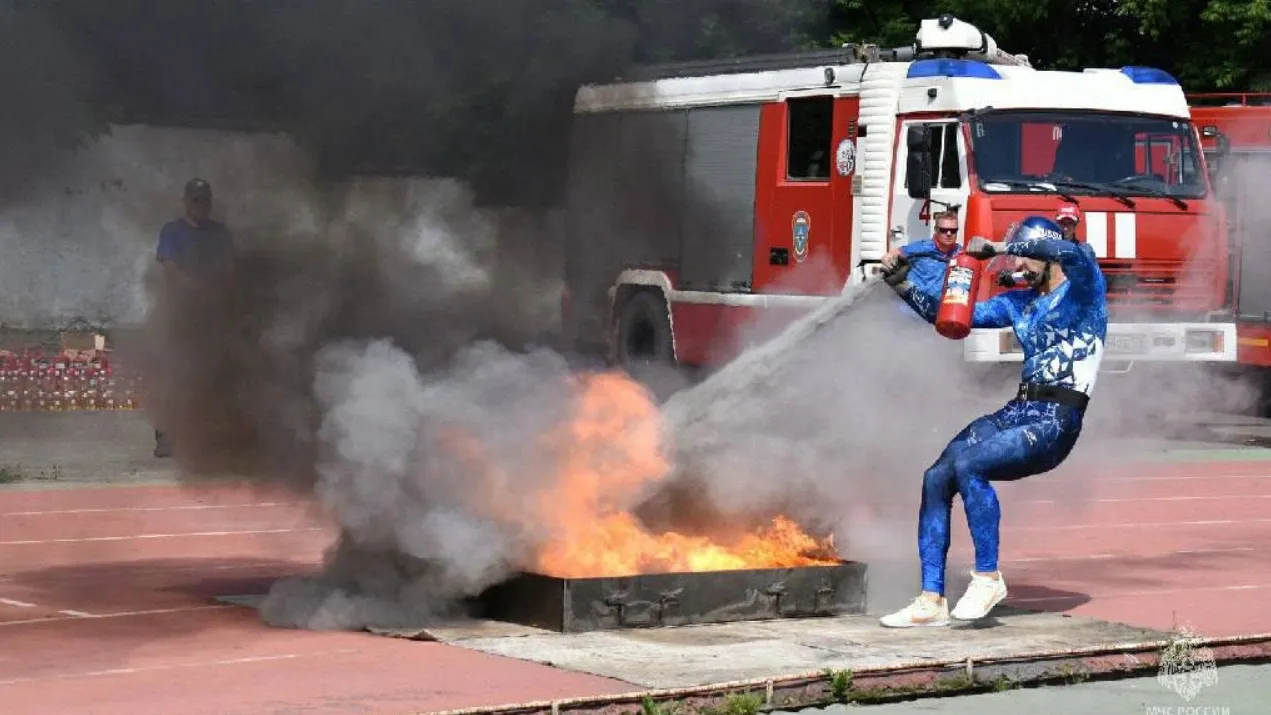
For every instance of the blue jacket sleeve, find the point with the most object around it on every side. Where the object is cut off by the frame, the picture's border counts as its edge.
(996, 312)
(922, 300)
(1080, 265)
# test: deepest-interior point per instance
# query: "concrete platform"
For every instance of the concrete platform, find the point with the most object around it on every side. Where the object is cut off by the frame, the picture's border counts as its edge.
(801, 663)
(688, 656)
(685, 657)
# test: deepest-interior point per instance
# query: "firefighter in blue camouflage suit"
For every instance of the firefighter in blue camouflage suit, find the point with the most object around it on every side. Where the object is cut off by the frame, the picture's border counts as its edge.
(1060, 319)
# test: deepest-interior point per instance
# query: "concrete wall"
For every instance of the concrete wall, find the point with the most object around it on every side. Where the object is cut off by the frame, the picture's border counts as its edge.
(77, 254)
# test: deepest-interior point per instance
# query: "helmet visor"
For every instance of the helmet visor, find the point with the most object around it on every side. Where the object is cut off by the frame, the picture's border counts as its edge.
(1000, 266)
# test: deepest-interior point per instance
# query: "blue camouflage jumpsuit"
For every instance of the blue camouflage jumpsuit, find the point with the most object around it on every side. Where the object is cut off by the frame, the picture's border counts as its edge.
(1062, 335)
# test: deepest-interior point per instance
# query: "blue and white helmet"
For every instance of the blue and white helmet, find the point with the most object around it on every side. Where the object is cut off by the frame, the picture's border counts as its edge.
(1034, 228)
(1030, 229)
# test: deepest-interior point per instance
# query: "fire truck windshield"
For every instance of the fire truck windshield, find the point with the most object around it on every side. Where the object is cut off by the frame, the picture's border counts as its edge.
(1088, 153)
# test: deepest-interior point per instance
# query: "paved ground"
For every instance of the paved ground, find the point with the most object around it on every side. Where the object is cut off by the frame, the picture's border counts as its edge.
(1240, 690)
(61, 448)
(110, 592)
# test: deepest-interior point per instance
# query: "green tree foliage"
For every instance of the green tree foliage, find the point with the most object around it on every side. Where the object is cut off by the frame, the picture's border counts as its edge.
(1210, 45)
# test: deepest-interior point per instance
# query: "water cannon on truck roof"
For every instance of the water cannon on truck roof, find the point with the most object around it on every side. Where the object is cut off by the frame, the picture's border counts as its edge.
(705, 196)
(951, 38)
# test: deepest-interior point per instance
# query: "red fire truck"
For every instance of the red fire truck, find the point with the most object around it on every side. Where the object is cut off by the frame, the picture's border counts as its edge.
(1235, 133)
(704, 197)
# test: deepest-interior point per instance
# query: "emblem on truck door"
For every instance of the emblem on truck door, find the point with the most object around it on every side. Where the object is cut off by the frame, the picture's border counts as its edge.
(801, 227)
(845, 157)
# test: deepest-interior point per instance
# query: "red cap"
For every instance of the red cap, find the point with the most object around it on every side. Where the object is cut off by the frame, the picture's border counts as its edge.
(1068, 212)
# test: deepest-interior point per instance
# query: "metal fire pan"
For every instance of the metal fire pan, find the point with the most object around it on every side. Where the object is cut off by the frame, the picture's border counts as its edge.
(574, 605)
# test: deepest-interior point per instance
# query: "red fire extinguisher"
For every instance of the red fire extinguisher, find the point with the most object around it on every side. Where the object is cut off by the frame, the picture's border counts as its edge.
(957, 304)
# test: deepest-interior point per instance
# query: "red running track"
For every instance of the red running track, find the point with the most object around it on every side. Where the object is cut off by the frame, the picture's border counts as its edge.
(107, 607)
(1181, 545)
(106, 595)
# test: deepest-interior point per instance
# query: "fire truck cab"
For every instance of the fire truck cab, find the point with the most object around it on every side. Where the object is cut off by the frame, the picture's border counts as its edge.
(707, 197)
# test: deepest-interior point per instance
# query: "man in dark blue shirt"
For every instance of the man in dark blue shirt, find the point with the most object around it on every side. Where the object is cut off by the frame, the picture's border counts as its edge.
(195, 244)
(192, 249)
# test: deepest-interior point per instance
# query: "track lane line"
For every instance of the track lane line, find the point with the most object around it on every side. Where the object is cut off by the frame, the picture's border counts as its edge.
(171, 666)
(137, 537)
(120, 614)
(127, 509)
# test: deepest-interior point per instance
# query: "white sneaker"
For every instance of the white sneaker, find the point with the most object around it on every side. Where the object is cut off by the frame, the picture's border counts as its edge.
(922, 611)
(981, 596)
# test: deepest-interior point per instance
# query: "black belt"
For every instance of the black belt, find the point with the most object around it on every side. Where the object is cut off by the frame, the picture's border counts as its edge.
(1031, 391)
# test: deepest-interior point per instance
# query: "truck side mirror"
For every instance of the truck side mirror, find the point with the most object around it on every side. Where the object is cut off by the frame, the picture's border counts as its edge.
(1222, 144)
(1221, 147)
(918, 162)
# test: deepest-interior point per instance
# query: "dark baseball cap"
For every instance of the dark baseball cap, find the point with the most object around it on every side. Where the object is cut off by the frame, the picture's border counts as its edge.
(198, 189)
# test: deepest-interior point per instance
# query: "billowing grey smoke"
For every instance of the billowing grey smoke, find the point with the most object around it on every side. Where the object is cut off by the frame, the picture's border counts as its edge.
(853, 390)
(833, 423)
(479, 90)
(378, 343)
(383, 361)
(47, 87)
(431, 477)
(412, 263)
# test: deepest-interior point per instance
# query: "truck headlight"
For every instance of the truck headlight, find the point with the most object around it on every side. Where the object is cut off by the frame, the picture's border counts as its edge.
(1203, 341)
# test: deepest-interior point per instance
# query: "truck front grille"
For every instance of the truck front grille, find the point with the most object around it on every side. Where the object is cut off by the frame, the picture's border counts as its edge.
(1160, 285)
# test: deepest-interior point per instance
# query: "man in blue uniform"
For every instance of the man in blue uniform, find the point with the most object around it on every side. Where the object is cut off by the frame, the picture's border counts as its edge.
(191, 250)
(943, 242)
(942, 247)
(1060, 320)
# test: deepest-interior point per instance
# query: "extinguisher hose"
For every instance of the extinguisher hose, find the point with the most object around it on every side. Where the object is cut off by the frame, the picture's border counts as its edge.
(897, 275)
(929, 254)
(906, 259)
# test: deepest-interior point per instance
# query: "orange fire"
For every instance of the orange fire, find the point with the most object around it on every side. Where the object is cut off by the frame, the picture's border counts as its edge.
(610, 456)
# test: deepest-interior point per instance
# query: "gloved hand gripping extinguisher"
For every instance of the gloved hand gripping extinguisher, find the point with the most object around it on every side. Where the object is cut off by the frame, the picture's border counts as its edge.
(897, 276)
(957, 303)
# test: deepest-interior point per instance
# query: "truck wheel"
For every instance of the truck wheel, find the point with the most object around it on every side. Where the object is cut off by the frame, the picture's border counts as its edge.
(643, 345)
